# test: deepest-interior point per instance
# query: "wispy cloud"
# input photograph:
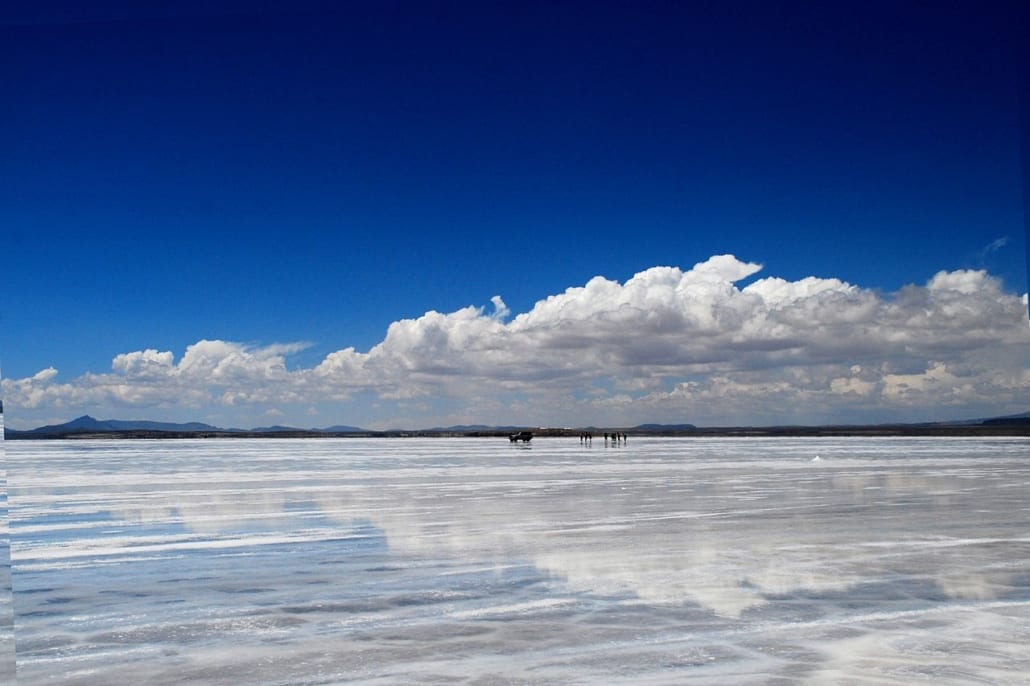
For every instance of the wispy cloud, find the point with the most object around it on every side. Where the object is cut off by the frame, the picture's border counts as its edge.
(984, 253)
(666, 344)
(995, 245)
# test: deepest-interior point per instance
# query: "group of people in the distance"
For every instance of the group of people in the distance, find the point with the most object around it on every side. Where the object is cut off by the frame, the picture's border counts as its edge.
(614, 437)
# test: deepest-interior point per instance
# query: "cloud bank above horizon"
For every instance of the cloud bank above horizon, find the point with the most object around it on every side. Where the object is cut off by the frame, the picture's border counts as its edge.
(667, 345)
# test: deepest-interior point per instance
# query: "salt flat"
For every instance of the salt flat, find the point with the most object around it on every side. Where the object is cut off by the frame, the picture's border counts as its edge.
(384, 561)
(7, 660)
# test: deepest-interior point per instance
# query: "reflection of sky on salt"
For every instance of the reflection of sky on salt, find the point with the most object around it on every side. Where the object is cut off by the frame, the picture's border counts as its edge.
(7, 665)
(739, 560)
(6, 609)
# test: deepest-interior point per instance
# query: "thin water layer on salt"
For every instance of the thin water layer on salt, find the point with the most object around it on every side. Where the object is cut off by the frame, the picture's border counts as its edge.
(472, 561)
(7, 661)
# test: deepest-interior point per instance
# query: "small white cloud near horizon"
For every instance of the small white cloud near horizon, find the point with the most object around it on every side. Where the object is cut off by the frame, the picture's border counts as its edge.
(667, 345)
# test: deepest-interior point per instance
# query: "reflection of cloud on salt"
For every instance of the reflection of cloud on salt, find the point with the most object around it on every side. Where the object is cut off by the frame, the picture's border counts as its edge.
(728, 538)
(902, 647)
(615, 533)
(598, 544)
(713, 578)
(987, 585)
(208, 508)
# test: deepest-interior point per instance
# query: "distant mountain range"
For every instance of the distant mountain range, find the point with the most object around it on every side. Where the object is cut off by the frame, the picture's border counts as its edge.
(465, 428)
(87, 423)
(88, 426)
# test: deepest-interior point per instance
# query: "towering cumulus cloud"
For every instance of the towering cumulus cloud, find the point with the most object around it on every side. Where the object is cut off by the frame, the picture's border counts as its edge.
(666, 345)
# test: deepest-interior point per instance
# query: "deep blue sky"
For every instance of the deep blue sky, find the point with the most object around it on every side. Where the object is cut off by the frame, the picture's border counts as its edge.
(270, 172)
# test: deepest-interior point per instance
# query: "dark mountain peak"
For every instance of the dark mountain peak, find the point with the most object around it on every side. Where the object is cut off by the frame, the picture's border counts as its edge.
(85, 421)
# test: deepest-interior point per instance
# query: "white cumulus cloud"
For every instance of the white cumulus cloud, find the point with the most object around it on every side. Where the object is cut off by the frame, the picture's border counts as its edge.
(667, 345)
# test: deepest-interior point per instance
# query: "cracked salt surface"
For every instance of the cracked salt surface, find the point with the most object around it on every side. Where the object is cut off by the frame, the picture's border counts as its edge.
(662, 561)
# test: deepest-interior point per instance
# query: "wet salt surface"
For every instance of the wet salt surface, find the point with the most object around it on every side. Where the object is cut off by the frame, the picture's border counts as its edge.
(7, 666)
(383, 561)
